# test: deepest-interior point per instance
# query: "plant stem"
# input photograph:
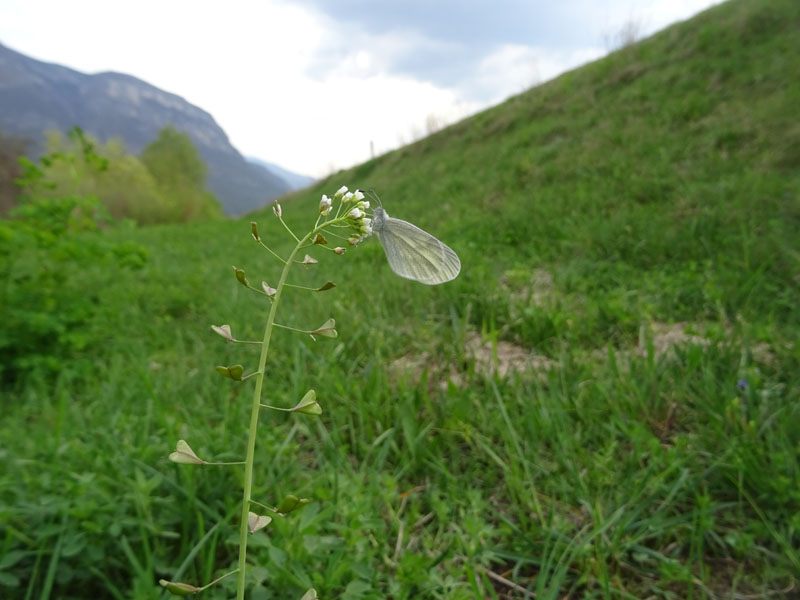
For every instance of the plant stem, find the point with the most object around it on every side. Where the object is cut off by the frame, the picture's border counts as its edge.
(218, 579)
(254, 412)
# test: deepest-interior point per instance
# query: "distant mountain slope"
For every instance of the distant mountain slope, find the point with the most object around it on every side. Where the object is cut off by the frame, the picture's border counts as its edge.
(36, 96)
(295, 180)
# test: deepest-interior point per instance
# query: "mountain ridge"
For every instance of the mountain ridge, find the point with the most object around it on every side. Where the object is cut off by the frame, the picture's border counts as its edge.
(296, 181)
(36, 96)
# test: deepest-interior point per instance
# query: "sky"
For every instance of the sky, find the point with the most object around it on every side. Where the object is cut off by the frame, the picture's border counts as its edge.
(320, 85)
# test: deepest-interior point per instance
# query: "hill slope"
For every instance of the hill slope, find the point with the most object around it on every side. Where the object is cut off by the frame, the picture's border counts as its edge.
(678, 153)
(36, 96)
(529, 425)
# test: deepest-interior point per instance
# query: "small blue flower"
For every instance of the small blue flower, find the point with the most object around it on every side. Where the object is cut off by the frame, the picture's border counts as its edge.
(741, 384)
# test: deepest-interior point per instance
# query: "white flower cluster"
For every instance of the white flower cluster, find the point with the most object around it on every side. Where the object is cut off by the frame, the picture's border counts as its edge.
(360, 222)
(357, 218)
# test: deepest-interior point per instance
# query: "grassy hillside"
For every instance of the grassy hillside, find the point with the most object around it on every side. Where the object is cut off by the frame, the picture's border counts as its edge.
(603, 405)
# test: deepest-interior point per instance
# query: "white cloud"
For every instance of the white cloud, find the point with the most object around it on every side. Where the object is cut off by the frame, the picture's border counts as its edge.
(513, 68)
(333, 122)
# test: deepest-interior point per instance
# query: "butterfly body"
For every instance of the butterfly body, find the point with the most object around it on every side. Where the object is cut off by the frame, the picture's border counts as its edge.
(413, 253)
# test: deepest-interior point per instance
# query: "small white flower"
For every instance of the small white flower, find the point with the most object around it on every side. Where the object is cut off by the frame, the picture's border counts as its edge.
(364, 204)
(359, 195)
(325, 205)
(367, 225)
(356, 213)
(340, 192)
(276, 208)
(339, 250)
(347, 198)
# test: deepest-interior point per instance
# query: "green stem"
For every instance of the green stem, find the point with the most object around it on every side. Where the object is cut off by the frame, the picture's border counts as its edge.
(254, 412)
(286, 227)
(291, 328)
(268, 249)
(217, 580)
(269, 508)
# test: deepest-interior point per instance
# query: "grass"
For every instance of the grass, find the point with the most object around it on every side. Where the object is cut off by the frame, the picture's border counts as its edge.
(654, 191)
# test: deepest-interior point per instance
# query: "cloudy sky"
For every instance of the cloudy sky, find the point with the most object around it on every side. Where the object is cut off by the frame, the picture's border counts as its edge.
(317, 85)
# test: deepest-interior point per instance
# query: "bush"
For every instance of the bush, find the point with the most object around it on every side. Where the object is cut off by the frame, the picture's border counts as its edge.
(50, 249)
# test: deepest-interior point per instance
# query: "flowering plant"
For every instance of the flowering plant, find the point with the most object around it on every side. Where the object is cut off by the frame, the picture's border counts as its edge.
(349, 221)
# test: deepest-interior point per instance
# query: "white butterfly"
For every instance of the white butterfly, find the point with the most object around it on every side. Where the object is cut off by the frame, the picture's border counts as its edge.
(413, 253)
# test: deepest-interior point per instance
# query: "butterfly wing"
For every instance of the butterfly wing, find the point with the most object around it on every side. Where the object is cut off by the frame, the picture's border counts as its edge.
(415, 254)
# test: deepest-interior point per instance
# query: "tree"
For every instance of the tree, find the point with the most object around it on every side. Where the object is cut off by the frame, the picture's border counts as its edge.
(11, 148)
(180, 173)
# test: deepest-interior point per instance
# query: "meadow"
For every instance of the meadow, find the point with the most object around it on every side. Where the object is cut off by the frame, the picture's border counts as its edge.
(604, 404)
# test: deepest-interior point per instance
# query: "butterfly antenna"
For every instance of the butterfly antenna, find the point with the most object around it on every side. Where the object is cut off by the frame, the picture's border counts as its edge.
(372, 194)
(375, 195)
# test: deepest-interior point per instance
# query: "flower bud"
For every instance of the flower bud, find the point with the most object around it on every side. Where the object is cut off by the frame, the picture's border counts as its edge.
(234, 372)
(224, 331)
(325, 205)
(340, 192)
(339, 250)
(181, 589)
(356, 213)
(240, 276)
(254, 231)
(291, 503)
(276, 208)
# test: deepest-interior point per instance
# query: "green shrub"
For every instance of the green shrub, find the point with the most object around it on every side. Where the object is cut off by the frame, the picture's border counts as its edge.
(49, 296)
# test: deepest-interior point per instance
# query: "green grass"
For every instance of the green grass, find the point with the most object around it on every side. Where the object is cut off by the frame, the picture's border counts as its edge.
(657, 187)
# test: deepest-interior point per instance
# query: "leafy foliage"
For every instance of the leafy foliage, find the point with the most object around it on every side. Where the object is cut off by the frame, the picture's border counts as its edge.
(50, 251)
(165, 185)
(179, 171)
(11, 147)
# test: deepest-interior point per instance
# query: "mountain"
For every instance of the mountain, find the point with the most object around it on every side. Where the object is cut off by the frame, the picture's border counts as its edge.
(295, 180)
(36, 96)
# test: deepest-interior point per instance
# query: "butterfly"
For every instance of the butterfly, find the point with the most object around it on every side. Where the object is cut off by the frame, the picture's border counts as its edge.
(413, 253)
